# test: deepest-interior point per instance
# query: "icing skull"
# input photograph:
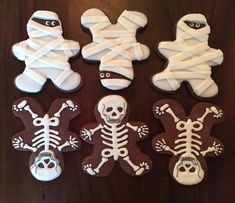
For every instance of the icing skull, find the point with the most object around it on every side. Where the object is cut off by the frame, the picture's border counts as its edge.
(112, 109)
(188, 170)
(46, 166)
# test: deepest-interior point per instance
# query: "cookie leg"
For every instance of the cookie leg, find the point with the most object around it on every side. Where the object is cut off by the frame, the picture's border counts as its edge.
(136, 167)
(160, 81)
(67, 80)
(30, 81)
(204, 88)
(97, 166)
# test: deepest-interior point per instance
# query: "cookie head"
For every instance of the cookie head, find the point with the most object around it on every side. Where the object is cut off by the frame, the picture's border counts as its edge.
(188, 170)
(44, 23)
(46, 166)
(112, 109)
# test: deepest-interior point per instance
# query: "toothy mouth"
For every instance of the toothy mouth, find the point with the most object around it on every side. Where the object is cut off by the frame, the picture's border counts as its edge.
(114, 120)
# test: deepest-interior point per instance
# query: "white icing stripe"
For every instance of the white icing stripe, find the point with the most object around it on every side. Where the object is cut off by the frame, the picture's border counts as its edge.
(189, 58)
(115, 48)
(134, 18)
(35, 76)
(62, 77)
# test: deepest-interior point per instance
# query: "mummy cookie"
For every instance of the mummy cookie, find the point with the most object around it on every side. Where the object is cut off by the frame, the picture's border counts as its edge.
(46, 54)
(114, 140)
(189, 58)
(46, 135)
(187, 138)
(114, 45)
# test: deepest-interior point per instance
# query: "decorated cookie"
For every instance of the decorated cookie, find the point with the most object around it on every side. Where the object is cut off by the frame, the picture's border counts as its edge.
(189, 58)
(46, 135)
(114, 45)
(187, 138)
(46, 54)
(114, 139)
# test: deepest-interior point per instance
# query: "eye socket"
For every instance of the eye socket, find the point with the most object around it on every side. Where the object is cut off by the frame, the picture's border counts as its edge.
(120, 109)
(53, 23)
(197, 25)
(191, 170)
(51, 165)
(109, 109)
(40, 165)
(182, 169)
(47, 23)
(191, 24)
(101, 75)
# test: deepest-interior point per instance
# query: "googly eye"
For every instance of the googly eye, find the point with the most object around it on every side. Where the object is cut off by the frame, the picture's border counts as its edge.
(47, 23)
(197, 25)
(107, 75)
(53, 23)
(191, 24)
(102, 75)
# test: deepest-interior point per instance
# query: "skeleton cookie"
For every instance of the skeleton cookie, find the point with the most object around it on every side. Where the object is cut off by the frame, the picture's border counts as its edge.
(187, 138)
(114, 139)
(189, 58)
(46, 135)
(46, 54)
(114, 45)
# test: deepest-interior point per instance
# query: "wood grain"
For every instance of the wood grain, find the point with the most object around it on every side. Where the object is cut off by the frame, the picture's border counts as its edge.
(16, 182)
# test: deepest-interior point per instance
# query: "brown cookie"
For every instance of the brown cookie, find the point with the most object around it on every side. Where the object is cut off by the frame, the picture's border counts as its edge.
(187, 138)
(46, 135)
(115, 139)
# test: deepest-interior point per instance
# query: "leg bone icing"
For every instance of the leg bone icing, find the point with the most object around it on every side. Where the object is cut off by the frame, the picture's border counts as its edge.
(189, 58)
(115, 139)
(187, 139)
(114, 45)
(46, 54)
(43, 135)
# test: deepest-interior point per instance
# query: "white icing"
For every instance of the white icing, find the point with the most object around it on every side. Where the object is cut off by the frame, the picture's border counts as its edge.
(114, 134)
(114, 45)
(189, 59)
(46, 55)
(188, 170)
(46, 166)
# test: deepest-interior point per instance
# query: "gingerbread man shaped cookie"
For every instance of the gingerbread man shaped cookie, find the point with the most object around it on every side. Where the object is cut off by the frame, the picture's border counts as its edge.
(114, 139)
(187, 138)
(46, 54)
(189, 58)
(114, 45)
(46, 135)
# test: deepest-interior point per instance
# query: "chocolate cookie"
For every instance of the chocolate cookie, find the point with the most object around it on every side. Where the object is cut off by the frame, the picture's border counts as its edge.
(114, 139)
(187, 138)
(46, 135)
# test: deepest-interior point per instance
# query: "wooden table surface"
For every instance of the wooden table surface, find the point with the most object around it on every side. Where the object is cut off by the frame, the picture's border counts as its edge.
(16, 182)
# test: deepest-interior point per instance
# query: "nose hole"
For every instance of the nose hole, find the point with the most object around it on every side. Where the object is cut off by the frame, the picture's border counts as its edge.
(51, 165)
(187, 165)
(192, 170)
(47, 161)
(182, 169)
(114, 114)
(40, 165)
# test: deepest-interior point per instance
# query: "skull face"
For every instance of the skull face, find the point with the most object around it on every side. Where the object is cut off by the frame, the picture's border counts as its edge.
(188, 171)
(112, 109)
(46, 167)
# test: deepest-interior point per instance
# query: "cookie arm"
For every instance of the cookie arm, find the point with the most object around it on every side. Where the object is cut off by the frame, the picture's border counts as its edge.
(71, 143)
(71, 48)
(87, 132)
(140, 128)
(216, 57)
(213, 148)
(19, 50)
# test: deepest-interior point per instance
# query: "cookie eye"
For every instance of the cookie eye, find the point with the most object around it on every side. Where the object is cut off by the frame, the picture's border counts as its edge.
(120, 109)
(107, 75)
(47, 23)
(101, 75)
(197, 25)
(53, 23)
(109, 109)
(191, 24)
